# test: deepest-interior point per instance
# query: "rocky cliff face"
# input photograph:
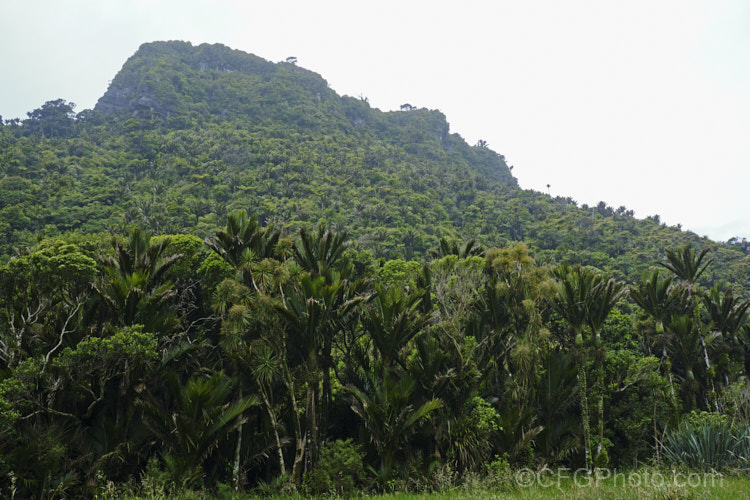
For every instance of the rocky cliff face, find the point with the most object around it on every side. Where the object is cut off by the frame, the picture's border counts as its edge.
(118, 99)
(115, 99)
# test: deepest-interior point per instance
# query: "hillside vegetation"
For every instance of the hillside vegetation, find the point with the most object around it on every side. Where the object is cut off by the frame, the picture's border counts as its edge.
(186, 134)
(228, 277)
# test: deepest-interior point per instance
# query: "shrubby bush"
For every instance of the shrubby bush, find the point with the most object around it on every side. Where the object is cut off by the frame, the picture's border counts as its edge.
(340, 469)
(707, 441)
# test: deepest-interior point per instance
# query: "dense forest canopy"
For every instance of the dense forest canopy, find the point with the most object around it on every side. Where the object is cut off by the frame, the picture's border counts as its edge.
(226, 273)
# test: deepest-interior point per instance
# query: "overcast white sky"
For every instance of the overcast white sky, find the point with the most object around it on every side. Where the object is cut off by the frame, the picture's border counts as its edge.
(642, 103)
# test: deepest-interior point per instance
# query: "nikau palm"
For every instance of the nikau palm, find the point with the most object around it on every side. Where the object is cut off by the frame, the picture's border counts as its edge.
(585, 298)
(132, 289)
(392, 318)
(202, 415)
(685, 264)
(388, 412)
(243, 243)
(314, 312)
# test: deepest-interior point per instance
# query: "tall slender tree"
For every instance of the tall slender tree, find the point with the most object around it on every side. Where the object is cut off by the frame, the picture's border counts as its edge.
(584, 298)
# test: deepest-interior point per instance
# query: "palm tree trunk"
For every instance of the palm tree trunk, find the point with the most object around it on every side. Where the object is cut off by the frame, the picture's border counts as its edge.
(705, 353)
(387, 462)
(299, 438)
(600, 411)
(585, 414)
(312, 410)
(671, 382)
(238, 449)
(325, 403)
(708, 369)
(275, 426)
(656, 436)
(312, 422)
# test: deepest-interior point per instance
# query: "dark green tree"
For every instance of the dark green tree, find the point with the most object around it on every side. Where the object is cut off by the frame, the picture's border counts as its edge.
(131, 289)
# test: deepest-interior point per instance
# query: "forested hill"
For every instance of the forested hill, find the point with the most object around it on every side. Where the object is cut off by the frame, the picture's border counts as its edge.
(364, 342)
(185, 85)
(185, 134)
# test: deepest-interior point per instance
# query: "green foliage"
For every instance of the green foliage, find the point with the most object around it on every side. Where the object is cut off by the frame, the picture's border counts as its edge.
(388, 411)
(735, 402)
(186, 135)
(453, 362)
(9, 414)
(499, 475)
(53, 119)
(213, 270)
(685, 264)
(637, 393)
(224, 231)
(472, 433)
(398, 272)
(128, 350)
(132, 289)
(191, 428)
(53, 268)
(193, 254)
(707, 441)
(392, 318)
(698, 418)
(340, 470)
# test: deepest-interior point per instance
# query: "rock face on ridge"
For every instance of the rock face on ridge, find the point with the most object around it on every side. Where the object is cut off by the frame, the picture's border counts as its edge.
(177, 78)
(126, 99)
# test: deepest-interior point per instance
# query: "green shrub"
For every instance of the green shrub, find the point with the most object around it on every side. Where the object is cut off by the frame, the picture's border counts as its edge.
(444, 478)
(278, 486)
(707, 441)
(155, 482)
(339, 471)
(734, 401)
(499, 475)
